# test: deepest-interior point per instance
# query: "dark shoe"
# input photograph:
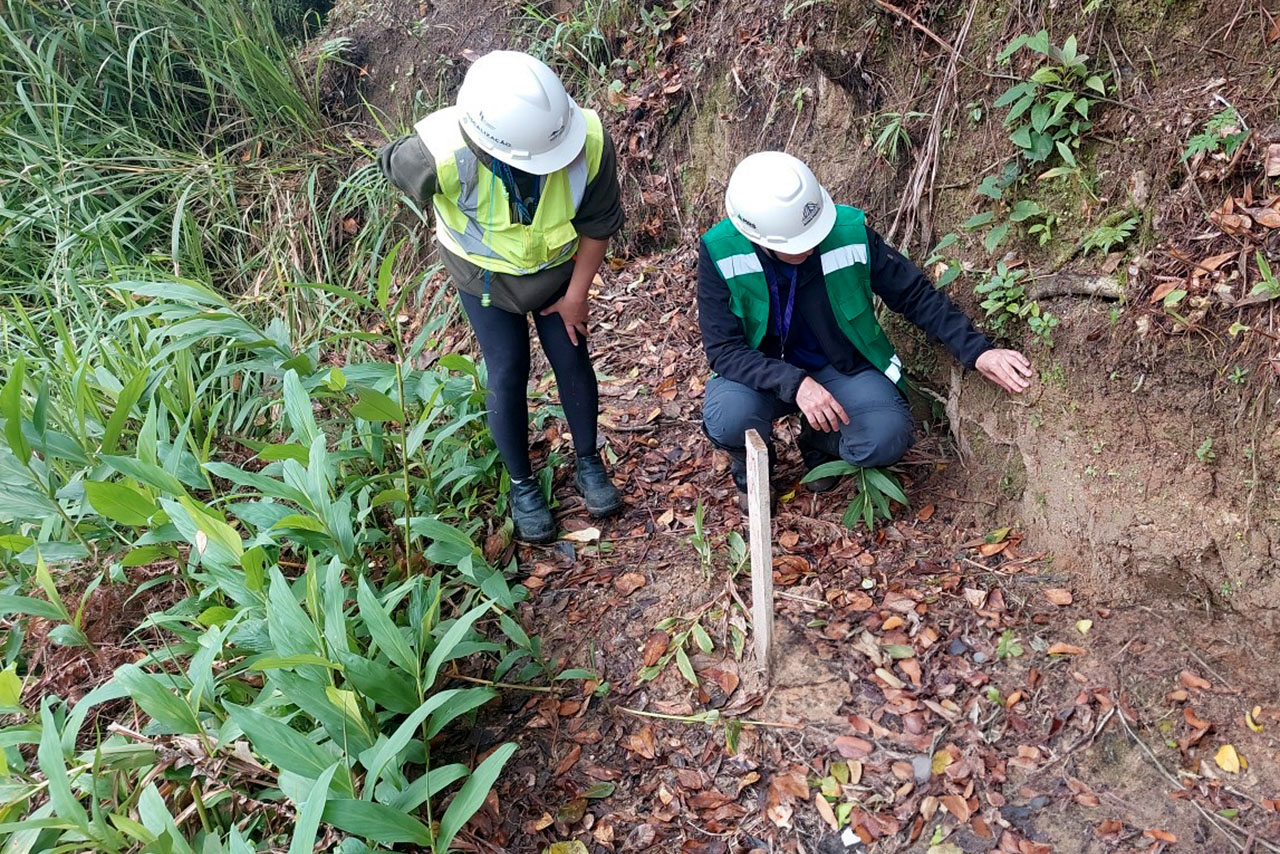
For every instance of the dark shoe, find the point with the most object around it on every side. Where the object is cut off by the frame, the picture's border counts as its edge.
(602, 497)
(817, 449)
(530, 512)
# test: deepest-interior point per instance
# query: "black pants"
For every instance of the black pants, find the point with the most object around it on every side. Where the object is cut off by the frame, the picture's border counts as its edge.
(504, 341)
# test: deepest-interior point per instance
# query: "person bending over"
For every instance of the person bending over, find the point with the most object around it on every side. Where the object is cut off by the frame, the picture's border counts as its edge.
(524, 186)
(785, 286)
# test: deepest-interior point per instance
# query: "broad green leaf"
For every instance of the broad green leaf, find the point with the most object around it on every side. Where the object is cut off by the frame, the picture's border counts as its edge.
(53, 765)
(11, 411)
(288, 662)
(292, 631)
(685, 666)
(389, 688)
(15, 542)
(376, 407)
(445, 649)
(384, 631)
(285, 747)
(702, 639)
(215, 615)
(994, 236)
(380, 823)
(1068, 157)
(158, 700)
(456, 706)
(30, 606)
(125, 401)
(977, 220)
(156, 818)
(838, 468)
(120, 503)
(297, 408)
(432, 782)
(216, 532)
(385, 273)
(149, 473)
(472, 794)
(408, 729)
(1025, 209)
(307, 822)
(10, 687)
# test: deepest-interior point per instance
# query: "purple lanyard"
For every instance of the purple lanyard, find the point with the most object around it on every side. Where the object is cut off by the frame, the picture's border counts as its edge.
(784, 313)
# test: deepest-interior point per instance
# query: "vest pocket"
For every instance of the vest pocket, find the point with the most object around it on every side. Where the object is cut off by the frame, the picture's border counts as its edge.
(559, 235)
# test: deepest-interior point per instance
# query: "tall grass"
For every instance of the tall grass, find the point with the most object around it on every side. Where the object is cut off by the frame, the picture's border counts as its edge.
(202, 372)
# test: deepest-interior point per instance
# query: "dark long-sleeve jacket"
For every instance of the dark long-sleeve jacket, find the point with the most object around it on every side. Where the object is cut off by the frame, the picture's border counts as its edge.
(895, 279)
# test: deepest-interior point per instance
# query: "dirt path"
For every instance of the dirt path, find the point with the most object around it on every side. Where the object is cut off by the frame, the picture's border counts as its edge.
(940, 689)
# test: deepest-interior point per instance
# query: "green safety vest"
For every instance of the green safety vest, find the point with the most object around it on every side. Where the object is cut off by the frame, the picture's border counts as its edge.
(473, 211)
(847, 274)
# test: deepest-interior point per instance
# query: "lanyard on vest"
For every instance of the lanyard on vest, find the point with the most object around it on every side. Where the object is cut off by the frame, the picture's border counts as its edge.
(784, 313)
(498, 168)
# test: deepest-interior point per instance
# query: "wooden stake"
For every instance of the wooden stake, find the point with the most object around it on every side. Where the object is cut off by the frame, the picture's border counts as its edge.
(761, 533)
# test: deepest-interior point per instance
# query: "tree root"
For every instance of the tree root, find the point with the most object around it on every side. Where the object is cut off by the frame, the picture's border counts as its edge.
(1076, 284)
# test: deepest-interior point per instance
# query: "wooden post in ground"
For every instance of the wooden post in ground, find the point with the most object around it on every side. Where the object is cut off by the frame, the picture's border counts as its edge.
(761, 533)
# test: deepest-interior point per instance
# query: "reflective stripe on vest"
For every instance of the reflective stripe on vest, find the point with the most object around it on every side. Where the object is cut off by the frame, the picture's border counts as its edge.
(737, 265)
(462, 212)
(841, 257)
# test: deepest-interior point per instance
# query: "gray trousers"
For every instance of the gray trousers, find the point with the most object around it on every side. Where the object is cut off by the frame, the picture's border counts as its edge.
(878, 433)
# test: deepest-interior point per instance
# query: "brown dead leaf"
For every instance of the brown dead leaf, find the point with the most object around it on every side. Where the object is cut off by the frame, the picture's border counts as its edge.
(1191, 680)
(928, 807)
(654, 646)
(976, 598)
(1108, 827)
(852, 747)
(824, 810)
(989, 549)
(957, 806)
(570, 759)
(788, 539)
(1271, 163)
(1166, 287)
(1160, 835)
(911, 667)
(789, 785)
(1211, 264)
(629, 582)
(1066, 649)
(1058, 596)
(642, 742)
(925, 513)
(1194, 720)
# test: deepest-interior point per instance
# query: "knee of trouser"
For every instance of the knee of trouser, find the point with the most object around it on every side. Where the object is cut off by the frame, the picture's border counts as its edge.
(883, 438)
(727, 425)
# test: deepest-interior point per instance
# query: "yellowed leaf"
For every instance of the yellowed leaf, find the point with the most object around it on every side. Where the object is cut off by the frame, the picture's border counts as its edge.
(1228, 760)
(1251, 719)
(941, 760)
(1083, 626)
(574, 847)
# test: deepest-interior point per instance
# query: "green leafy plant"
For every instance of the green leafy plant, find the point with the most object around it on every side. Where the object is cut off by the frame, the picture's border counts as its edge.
(1111, 232)
(1221, 134)
(876, 487)
(951, 267)
(1005, 300)
(1267, 285)
(1008, 647)
(892, 133)
(1204, 453)
(686, 633)
(1049, 111)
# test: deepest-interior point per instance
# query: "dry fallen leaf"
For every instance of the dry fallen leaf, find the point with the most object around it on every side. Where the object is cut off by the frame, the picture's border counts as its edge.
(1194, 720)
(1160, 835)
(1251, 719)
(1228, 760)
(957, 806)
(1271, 164)
(629, 582)
(586, 535)
(1109, 827)
(1065, 649)
(654, 646)
(1191, 680)
(824, 810)
(852, 747)
(1083, 626)
(1058, 596)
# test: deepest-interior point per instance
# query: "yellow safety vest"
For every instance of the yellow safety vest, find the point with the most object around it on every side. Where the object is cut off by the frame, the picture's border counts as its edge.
(473, 210)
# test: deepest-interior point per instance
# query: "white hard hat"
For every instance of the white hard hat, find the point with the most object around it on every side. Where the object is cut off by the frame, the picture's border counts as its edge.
(776, 202)
(515, 108)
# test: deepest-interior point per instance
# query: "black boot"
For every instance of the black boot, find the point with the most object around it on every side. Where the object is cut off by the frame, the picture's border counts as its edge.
(815, 450)
(530, 512)
(602, 497)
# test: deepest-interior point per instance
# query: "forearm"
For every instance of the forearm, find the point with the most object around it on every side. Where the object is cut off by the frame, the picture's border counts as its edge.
(587, 261)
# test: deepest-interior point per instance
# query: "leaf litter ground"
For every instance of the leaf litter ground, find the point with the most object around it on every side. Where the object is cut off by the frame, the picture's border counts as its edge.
(939, 687)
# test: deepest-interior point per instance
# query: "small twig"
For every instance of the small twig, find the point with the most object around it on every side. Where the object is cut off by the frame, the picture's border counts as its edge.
(541, 689)
(710, 717)
(902, 13)
(785, 595)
